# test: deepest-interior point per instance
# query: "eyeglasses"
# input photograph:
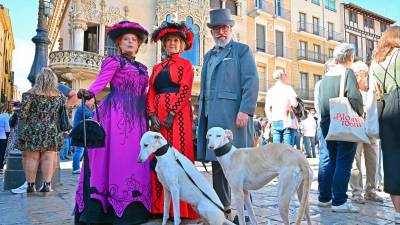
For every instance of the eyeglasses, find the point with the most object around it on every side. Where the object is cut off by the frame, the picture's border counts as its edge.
(223, 28)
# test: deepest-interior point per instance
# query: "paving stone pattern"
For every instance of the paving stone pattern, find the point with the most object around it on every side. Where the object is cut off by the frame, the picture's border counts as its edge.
(58, 206)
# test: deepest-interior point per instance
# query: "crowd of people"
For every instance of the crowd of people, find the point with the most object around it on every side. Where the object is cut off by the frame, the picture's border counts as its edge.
(124, 191)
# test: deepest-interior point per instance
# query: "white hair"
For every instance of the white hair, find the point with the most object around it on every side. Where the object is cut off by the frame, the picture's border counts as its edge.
(330, 63)
(359, 66)
(343, 51)
(277, 74)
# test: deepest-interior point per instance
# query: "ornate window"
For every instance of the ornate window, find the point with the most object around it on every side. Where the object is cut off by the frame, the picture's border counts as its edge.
(193, 55)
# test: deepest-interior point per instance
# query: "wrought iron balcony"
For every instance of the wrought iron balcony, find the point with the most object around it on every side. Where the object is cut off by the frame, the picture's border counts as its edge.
(311, 56)
(272, 49)
(305, 93)
(269, 7)
(170, 3)
(335, 36)
(310, 28)
(320, 31)
(71, 61)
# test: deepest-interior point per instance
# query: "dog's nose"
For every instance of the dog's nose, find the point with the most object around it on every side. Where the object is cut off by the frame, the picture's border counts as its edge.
(211, 147)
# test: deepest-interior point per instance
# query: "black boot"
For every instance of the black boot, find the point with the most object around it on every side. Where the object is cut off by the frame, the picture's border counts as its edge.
(31, 188)
(46, 187)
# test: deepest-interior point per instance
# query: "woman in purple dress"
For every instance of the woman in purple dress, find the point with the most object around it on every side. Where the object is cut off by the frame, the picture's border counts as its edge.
(120, 187)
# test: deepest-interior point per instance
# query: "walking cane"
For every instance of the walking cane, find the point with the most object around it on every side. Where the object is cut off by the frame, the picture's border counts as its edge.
(86, 169)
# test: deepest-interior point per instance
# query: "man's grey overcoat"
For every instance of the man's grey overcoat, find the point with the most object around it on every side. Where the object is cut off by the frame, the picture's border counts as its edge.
(234, 88)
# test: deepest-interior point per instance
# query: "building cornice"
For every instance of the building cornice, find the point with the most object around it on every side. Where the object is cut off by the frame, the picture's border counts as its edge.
(359, 9)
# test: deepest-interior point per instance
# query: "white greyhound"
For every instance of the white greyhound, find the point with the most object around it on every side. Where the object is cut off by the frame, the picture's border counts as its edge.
(252, 168)
(177, 184)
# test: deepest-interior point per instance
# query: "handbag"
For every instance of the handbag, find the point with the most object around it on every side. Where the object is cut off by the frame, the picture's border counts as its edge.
(95, 134)
(64, 125)
(346, 124)
(383, 94)
(371, 118)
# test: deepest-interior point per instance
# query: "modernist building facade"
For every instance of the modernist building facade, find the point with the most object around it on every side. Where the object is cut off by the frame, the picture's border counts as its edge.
(6, 51)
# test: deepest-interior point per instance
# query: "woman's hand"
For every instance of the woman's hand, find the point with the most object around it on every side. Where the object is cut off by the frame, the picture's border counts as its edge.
(85, 93)
(155, 122)
(169, 120)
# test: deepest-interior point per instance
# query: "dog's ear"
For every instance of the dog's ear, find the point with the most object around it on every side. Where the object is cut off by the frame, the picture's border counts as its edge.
(229, 135)
(157, 137)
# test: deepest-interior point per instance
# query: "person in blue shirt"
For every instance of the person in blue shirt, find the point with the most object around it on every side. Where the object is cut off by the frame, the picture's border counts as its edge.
(77, 119)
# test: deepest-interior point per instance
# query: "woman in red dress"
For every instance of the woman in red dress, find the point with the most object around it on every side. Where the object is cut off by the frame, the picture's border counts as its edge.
(168, 102)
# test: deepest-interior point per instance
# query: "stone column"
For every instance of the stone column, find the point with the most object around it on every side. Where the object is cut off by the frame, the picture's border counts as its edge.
(102, 32)
(79, 31)
(223, 4)
(239, 8)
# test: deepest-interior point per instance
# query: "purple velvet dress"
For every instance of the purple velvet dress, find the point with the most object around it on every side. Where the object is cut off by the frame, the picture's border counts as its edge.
(117, 180)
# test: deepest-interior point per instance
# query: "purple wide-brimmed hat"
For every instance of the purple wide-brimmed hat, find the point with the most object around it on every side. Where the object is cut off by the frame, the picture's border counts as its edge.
(124, 27)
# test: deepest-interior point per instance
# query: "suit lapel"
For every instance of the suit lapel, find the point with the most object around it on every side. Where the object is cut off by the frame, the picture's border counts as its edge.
(223, 54)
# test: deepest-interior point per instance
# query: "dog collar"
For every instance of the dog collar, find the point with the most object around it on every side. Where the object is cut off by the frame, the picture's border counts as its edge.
(161, 151)
(223, 149)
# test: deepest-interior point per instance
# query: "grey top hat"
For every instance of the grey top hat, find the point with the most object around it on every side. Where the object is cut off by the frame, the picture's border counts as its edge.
(220, 17)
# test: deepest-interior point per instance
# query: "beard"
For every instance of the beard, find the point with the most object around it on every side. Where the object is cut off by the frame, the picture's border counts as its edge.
(221, 42)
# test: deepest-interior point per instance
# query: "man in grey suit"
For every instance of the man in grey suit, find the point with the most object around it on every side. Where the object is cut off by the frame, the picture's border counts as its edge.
(228, 95)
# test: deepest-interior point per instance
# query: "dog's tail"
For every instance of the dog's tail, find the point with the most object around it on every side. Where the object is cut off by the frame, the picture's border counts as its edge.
(306, 188)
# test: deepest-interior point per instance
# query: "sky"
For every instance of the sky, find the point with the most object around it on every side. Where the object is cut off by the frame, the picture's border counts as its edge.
(24, 21)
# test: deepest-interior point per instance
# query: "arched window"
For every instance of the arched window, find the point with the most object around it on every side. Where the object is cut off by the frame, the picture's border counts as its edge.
(194, 54)
(231, 4)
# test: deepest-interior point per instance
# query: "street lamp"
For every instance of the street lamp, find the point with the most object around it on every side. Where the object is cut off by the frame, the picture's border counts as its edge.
(41, 39)
(14, 174)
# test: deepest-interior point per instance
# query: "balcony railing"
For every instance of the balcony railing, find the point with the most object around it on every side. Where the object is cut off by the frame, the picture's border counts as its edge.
(310, 28)
(189, 2)
(283, 13)
(305, 93)
(265, 6)
(320, 31)
(270, 8)
(311, 56)
(335, 36)
(272, 49)
(71, 61)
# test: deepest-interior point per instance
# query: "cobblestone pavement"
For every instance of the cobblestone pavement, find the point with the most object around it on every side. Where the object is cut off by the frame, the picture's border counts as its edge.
(57, 207)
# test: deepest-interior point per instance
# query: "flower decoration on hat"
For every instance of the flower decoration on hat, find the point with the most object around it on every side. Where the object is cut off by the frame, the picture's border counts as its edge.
(174, 28)
(125, 27)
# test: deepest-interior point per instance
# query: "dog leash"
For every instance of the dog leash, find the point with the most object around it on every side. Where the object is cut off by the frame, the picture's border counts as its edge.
(202, 192)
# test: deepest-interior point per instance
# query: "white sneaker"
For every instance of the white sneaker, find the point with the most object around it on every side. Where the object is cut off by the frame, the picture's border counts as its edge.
(21, 189)
(78, 171)
(397, 217)
(325, 204)
(346, 208)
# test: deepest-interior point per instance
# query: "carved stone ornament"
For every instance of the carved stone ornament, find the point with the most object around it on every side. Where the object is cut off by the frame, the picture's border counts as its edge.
(197, 9)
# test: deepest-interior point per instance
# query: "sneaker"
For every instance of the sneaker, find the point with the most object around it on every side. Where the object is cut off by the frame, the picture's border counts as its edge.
(325, 204)
(346, 208)
(46, 187)
(397, 217)
(21, 189)
(373, 197)
(78, 171)
(357, 199)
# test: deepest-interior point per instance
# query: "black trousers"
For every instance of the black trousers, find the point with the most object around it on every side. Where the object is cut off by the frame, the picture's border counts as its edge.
(3, 146)
(220, 184)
